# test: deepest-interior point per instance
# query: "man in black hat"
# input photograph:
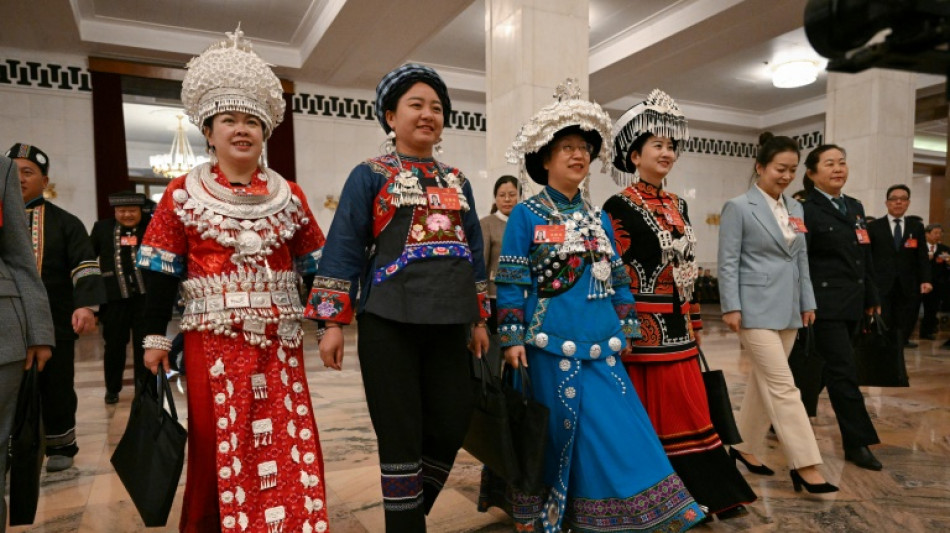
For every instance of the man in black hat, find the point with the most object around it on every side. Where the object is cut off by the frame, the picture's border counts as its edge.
(70, 274)
(116, 242)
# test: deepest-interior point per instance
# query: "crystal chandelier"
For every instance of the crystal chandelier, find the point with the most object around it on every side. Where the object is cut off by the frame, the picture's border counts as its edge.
(179, 160)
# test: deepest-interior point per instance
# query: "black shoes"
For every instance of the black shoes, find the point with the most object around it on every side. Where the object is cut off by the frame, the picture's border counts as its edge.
(862, 456)
(112, 397)
(762, 470)
(910, 344)
(929, 337)
(820, 488)
(735, 512)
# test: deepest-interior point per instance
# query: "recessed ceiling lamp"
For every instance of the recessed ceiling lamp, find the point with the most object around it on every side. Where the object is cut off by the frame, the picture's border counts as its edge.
(794, 73)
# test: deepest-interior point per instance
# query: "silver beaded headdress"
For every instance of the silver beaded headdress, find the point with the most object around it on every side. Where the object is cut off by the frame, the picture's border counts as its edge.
(568, 110)
(659, 115)
(229, 76)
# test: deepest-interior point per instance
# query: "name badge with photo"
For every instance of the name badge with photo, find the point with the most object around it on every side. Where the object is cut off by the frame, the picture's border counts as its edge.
(910, 243)
(797, 224)
(549, 233)
(862, 236)
(129, 240)
(443, 198)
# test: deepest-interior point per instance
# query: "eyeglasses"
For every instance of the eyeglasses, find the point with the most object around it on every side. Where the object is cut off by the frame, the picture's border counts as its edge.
(507, 195)
(899, 199)
(569, 149)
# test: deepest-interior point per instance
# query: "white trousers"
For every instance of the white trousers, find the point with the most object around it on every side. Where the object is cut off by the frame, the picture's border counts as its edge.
(772, 398)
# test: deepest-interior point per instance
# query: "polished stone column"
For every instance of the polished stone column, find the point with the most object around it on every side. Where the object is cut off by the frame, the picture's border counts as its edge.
(532, 46)
(871, 115)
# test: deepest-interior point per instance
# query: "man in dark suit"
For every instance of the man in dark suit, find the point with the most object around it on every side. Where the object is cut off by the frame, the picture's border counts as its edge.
(24, 310)
(901, 269)
(69, 271)
(939, 256)
(116, 241)
(839, 255)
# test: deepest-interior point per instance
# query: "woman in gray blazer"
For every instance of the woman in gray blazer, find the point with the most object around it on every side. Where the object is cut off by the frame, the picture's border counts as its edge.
(766, 296)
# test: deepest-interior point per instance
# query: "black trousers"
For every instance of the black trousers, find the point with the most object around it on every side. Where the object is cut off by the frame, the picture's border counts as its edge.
(119, 319)
(833, 341)
(417, 379)
(58, 397)
(900, 310)
(932, 303)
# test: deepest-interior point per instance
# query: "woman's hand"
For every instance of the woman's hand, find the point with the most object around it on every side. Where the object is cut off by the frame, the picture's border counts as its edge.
(331, 348)
(479, 343)
(515, 356)
(808, 318)
(39, 353)
(733, 319)
(155, 358)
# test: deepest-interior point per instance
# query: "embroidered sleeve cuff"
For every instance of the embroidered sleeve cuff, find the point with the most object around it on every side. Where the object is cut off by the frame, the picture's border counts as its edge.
(696, 322)
(618, 275)
(511, 327)
(484, 306)
(513, 269)
(330, 300)
(627, 313)
(307, 264)
(85, 269)
(158, 260)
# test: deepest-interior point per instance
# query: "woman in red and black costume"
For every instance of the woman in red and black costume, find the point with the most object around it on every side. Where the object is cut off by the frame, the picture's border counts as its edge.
(655, 240)
(237, 237)
(406, 238)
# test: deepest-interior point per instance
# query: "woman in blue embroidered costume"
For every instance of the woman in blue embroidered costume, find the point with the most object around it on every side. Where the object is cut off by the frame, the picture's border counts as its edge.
(406, 238)
(655, 241)
(558, 264)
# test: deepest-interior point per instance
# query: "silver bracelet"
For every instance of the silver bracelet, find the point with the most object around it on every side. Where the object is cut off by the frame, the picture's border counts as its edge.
(157, 342)
(321, 332)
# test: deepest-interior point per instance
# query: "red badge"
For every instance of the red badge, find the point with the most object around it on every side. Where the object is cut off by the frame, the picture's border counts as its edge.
(129, 240)
(862, 236)
(443, 198)
(797, 224)
(910, 243)
(548, 234)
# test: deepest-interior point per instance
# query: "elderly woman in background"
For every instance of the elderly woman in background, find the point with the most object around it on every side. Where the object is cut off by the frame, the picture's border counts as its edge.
(766, 297)
(493, 229)
(240, 235)
(406, 239)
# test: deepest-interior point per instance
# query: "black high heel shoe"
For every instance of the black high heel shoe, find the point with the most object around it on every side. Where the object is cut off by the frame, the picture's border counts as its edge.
(821, 488)
(762, 470)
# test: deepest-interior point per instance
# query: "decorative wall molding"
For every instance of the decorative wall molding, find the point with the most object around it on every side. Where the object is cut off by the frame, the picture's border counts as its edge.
(34, 74)
(721, 147)
(362, 109)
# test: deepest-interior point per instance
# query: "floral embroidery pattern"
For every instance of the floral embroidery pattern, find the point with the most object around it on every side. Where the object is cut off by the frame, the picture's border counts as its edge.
(329, 305)
(414, 253)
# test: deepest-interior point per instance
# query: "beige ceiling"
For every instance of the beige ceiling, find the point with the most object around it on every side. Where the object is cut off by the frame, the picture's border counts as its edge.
(712, 55)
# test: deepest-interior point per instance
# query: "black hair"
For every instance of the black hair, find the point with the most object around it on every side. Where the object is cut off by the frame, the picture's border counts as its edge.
(507, 178)
(899, 186)
(771, 145)
(931, 227)
(637, 144)
(811, 161)
(391, 99)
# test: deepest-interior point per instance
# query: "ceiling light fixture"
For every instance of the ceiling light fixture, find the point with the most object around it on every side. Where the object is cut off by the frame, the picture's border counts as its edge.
(179, 160)
(794, 73)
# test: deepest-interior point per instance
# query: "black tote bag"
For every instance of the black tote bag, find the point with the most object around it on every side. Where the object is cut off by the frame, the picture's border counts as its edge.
(151, 453)
(720, 407)
(879, 354)
(27, 450)
(807, 366)
(508, 431)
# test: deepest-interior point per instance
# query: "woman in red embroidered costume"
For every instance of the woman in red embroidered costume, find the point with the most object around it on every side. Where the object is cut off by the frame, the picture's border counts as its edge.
(406, 239)
(656, 243)
(241, 236)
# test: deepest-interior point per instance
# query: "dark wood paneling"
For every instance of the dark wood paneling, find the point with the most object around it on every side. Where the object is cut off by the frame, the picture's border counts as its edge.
(108, 128)
(281, 155)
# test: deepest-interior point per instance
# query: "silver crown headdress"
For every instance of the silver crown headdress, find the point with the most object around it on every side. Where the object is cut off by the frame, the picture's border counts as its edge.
(659, 115)
(229, 76)
(568, 110)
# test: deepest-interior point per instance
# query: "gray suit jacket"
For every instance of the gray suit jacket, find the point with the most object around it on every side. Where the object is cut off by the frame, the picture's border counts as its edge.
(759, 275)
(24, 309)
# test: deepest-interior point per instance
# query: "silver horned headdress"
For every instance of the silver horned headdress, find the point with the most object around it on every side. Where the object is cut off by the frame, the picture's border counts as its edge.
(229, 76)
(659, 115)
(567, 111)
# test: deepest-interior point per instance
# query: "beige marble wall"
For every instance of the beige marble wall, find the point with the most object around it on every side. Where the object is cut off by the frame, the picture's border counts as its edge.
(871, 115)
(532, 46)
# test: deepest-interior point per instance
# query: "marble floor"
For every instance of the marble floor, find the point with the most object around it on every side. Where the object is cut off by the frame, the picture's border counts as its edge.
(911, 494)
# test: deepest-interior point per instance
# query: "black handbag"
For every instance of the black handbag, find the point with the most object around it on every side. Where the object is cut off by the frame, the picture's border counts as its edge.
(807, 366)
(151, 453)
(27, 450)
(879, 354)
(508, 431)
(720, 407)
